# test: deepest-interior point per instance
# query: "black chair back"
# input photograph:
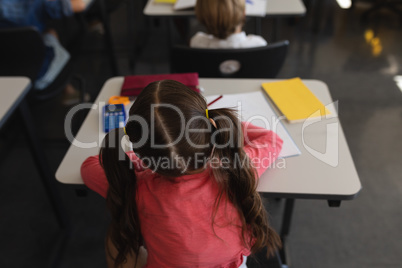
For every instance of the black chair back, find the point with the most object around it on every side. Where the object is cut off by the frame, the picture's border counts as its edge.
(259, 62)
(22, 52)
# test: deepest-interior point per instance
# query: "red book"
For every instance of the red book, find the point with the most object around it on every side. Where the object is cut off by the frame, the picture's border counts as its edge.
(133, 85)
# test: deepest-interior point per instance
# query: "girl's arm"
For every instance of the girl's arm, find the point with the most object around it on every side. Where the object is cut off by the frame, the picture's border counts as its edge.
(94, 176)
(261, 145)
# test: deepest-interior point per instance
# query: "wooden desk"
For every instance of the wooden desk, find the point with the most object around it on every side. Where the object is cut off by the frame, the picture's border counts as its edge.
(328, 176)
(274, 8)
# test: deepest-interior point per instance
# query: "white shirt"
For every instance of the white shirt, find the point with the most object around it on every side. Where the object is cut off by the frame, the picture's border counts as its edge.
(236, 40)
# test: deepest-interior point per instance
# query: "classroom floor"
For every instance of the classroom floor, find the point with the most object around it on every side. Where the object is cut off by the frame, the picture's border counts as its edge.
(362, 71)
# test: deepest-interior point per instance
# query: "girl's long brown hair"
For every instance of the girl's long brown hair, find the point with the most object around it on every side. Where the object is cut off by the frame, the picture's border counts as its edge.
(237, 184)
(124, 230)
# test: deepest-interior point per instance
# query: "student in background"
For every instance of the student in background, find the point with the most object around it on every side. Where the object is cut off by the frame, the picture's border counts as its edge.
(188, 191)
(223, 20)
(36, 13)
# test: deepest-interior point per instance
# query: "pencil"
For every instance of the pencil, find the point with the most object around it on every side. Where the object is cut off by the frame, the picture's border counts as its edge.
(215, 100)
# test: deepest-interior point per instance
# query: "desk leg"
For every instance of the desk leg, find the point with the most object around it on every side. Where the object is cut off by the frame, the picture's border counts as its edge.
(258, 26)
(274, 29)
(170, 32)
(48, 181)
(131, 33)
(317, 16)
(108, 37)
(285, 229)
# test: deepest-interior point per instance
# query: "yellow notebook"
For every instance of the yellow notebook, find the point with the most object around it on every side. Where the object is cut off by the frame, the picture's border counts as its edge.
(295, 100)
(165, 1)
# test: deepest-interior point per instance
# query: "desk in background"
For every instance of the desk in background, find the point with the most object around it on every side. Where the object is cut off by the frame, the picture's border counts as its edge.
(304, 176)
(274, 8)
(13, 94)
(13, 91)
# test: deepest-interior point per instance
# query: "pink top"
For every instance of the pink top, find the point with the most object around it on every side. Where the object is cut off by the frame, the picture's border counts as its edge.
(176, 217)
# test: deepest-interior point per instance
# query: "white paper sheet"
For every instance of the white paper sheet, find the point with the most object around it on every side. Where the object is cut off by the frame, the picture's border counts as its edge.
(184, 4)
(254, 107)
(256, 8)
